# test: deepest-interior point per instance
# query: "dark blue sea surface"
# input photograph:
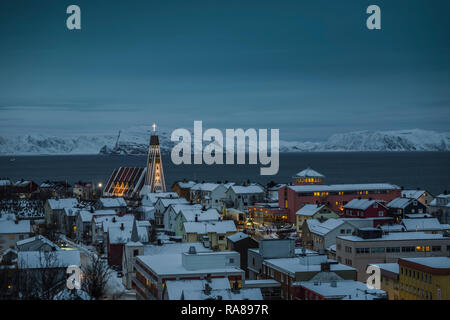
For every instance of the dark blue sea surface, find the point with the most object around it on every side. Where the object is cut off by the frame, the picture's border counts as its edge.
(427, 170)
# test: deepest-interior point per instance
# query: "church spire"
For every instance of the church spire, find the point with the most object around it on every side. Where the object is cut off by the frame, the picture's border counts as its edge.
(155, 175)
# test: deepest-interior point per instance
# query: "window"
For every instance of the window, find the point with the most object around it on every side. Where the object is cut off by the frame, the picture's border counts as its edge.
(435, 248)
(135, 252)
(231, 260)
(375, 205)
(377, 250)
(380, 213)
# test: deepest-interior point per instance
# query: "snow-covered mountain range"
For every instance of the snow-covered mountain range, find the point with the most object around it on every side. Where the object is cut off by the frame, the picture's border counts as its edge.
(135, 141)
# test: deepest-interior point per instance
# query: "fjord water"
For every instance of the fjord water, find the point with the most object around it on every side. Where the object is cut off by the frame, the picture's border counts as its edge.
(427, 170)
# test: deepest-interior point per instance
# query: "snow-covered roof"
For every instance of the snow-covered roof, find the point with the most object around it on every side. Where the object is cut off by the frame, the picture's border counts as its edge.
(113, 202)
(171, 264)
(186, 185)
(105, 212)
(237, 236)
(359, 204)
(397, 236)
(418, 215)
(172, 248)
(185, 206)
(391, 228)
(168, 201)
(118, 235)
(194, 287)
(309, 263)
(390, 267)
(414, 194)
(344, 187)
(207, 215)
(309, 173)
(219, 289)
(86, 216)
(432, 262)
(150, 199)
(221, 227)
(343, 290)
(399, 203)
(21, 183)
(38, 238)
(247, 189)
(309, 209)
(323, 228)
(427, 224)
(59, 204)
(10, 226)
(205, 186)
(107, 221)
(51, 259)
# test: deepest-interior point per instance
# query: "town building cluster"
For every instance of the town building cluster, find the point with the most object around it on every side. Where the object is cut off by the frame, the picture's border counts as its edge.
(299, 240)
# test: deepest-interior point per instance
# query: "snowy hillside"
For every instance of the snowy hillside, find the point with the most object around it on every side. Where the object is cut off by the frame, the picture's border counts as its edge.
(135, 141)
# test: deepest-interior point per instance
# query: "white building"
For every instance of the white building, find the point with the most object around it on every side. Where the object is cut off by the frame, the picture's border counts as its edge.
(241, 197)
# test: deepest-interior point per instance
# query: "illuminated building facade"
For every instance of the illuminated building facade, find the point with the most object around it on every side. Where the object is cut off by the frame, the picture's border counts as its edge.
(155, 175)
(129, 182)
(292, 198)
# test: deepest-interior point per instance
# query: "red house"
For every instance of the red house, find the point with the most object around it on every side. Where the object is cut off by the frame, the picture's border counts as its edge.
(335, 197)
(364, 208)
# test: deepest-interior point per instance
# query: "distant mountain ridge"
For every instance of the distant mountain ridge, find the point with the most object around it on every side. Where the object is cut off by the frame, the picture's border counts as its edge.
(135, 141)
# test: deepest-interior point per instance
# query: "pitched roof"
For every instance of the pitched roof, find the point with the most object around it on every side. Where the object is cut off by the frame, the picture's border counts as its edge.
(39, 238)
(117, 235)
(309, 209)
(52, 259)
(415, 194)
(399, 203)
(113, 202)
(58, 204)
(247, 189)
(207, 215)
(344, 187)
(10, 226)
(221, 227)
(309, 173)
(426, 224)
(323, 228)
(237, 236)
(360, 204)
(205, 186)
(133, 177)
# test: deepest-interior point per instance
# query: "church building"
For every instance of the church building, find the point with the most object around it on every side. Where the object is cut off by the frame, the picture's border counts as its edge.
(130, 183)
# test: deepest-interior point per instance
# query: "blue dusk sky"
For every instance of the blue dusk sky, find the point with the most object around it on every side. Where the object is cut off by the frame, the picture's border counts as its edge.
(309, 68)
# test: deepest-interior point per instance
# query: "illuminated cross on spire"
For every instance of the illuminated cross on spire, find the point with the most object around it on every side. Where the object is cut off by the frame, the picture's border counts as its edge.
(154, 127)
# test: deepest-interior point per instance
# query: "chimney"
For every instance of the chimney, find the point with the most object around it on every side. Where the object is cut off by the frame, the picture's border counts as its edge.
(122, 227)
(196, 217)
(193, 251)
(325, 267)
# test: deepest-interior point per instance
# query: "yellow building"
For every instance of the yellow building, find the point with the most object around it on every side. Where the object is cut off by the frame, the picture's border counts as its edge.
(389, 279)
(424, 278)
(313, 211)
(214, 232)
